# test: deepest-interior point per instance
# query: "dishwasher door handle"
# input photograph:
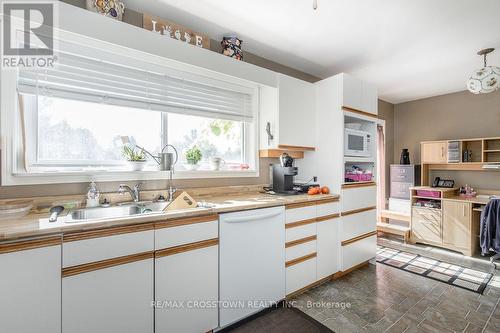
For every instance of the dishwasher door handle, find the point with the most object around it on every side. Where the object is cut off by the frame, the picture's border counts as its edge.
(251, 218)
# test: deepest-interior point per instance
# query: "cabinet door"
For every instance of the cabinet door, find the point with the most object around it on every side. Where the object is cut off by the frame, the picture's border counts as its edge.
(457, 223)
(352, 92)
(296, 112)
(426, 224)
(434, 152)
(186, 291)
(30, 290)
(369, 98)
(327, 244)
(109, 300)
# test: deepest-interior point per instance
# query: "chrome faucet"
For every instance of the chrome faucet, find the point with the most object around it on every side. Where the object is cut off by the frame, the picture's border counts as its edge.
(134, 192)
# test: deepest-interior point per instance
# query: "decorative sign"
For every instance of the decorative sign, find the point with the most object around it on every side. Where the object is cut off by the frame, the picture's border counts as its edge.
(174, 30)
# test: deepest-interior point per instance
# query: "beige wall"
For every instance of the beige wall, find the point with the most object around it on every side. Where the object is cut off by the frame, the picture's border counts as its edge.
(452, 116)
(386, 112)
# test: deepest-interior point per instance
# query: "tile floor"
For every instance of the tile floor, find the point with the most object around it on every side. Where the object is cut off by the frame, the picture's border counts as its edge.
(379, 298)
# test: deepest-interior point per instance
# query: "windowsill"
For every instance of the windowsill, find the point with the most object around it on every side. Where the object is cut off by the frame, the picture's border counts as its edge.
(35, 178)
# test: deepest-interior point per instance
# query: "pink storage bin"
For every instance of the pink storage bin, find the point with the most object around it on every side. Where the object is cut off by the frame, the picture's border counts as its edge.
(428, 194)
(359, 177)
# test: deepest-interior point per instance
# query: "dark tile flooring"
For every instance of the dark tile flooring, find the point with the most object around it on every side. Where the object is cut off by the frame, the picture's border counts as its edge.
(379, 298)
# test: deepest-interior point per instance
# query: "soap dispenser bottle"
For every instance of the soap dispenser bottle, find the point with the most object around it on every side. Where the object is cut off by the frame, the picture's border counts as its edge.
(92, 195)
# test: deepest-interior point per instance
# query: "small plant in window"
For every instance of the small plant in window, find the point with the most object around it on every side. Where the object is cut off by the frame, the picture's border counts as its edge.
(193, 156)
(135, 157)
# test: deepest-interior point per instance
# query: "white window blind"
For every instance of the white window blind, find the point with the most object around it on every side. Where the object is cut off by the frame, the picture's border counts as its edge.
(94, 80)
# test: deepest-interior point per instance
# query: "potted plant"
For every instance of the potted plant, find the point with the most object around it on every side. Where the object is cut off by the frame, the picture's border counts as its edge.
(193, 156)
(135, 157)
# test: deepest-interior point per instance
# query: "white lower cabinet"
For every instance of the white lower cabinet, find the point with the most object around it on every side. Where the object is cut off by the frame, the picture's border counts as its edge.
(300, 275)
(187, 291)
(327, 247)
(358, 252)
(30, 289)
(354, 225)
(109, 300)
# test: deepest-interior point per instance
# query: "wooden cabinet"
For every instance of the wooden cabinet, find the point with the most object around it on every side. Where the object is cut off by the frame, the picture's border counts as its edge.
(426, 224)
(457, 223)
(288, 109)
(107, 280)
(359, 95)
(187, 275)
(434, 152)
(30, 286)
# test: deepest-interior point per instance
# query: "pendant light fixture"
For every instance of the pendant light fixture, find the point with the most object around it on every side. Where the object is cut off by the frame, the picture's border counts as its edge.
(315, 4)
(486, 79)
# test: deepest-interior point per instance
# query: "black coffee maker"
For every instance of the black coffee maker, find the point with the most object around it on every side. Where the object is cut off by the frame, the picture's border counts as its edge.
(283, 174)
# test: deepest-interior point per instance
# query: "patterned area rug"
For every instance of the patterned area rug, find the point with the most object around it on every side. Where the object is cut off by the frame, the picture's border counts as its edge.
(454, 275)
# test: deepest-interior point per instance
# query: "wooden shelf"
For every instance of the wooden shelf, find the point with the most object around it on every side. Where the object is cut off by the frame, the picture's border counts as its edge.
(358, 184)
(394, 229)
(275, 153)
(391, 214)
(471, 166)
(296, 148)
(492, 151)
(427, 198)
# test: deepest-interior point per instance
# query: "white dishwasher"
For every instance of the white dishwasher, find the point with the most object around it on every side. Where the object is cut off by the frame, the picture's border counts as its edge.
(251, 262)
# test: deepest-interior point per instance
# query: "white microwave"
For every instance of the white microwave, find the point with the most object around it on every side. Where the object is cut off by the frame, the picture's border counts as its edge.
(357, 143)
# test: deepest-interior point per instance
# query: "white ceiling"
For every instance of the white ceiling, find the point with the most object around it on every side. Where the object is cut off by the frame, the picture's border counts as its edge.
(410, 49)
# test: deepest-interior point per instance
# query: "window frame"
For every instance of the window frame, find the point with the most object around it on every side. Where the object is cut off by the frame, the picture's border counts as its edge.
(13, 171)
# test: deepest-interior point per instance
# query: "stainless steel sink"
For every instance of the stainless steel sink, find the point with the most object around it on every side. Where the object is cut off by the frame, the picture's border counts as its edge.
(79, 215)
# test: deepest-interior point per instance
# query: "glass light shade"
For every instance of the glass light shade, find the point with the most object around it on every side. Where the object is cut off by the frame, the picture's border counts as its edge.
(484, 80)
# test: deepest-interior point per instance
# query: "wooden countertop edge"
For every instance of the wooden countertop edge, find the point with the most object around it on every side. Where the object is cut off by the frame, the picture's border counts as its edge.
(73, 228)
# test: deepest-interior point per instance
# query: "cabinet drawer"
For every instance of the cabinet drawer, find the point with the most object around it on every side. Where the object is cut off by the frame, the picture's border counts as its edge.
(358, 252)
(86, 247)
(300, 275)
(166, 237)
(293, 214)
(358, 224)
(359, 197)
(402, 174)
(299, 232)
(426, 224)
(327, 208)
(300, 250)
(400, 190)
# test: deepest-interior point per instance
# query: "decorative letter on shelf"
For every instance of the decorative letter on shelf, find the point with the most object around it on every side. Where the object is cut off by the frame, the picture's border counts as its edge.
(174, 30)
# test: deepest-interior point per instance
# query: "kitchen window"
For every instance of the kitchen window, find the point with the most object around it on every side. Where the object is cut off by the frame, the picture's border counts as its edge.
(72, 134)
(71, 118)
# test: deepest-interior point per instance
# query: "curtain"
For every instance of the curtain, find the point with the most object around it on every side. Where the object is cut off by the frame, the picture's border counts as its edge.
(381, 200)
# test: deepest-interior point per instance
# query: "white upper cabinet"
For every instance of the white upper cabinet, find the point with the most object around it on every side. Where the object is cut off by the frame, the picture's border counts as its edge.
(296, 111)
(290, 112)
(359, 95)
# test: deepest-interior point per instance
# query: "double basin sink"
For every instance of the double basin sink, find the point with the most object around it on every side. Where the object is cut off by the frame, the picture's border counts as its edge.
(122, 210)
